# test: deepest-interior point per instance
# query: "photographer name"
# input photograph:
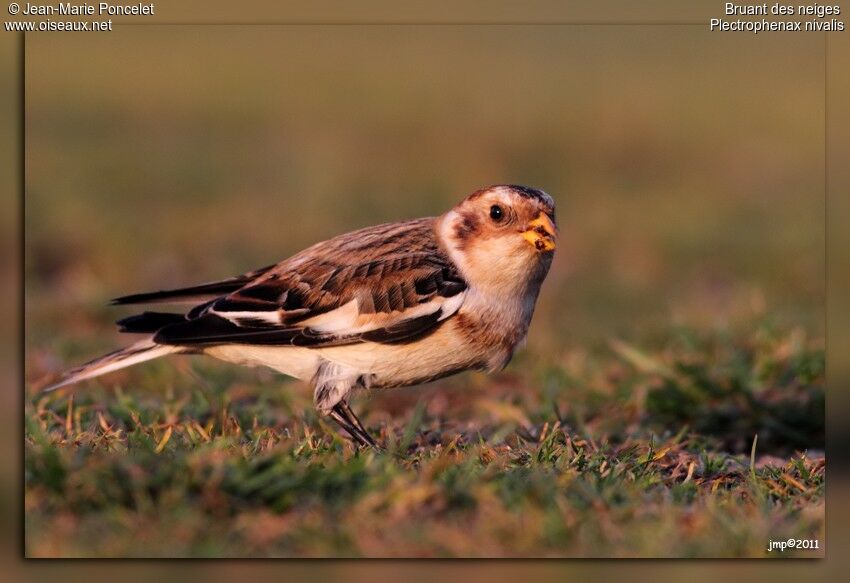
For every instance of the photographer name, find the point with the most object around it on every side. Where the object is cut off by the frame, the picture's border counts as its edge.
(100, 9)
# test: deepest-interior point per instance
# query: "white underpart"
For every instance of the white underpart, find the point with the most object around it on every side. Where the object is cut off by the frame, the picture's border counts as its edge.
(295, 361)
(336, 370)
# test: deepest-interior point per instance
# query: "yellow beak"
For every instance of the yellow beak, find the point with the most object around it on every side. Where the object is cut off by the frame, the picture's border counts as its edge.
(542, 233)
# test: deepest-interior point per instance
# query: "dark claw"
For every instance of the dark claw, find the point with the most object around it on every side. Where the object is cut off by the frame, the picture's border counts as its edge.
(345, 418)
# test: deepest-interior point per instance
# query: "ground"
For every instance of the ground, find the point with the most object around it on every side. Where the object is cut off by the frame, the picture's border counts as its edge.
(709, 446)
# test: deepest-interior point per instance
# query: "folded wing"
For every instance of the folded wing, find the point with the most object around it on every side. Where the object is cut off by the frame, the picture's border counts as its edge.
(387, 284)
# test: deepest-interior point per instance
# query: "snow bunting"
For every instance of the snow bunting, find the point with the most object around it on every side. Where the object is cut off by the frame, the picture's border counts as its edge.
(386, 306)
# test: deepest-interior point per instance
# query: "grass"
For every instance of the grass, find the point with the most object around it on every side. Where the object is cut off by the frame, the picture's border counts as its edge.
(617, 453)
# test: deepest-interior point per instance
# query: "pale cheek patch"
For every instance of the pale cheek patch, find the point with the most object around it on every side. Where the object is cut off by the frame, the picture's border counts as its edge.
(501, 261)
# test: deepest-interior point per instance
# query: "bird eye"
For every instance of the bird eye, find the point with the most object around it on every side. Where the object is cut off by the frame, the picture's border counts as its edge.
(496, 213)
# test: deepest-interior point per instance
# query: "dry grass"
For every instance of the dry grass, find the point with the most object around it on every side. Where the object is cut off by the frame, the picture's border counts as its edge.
(620, 453)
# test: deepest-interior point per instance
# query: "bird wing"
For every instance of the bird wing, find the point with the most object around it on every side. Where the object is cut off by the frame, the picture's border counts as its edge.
(388, 284)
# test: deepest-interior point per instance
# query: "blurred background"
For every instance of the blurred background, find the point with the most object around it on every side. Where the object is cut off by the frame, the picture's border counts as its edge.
(687, 173)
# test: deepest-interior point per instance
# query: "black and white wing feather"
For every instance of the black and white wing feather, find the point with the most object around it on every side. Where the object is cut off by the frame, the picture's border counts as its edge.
(388, 284)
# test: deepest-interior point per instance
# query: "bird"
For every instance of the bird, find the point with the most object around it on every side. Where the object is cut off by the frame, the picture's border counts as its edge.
(387, 306)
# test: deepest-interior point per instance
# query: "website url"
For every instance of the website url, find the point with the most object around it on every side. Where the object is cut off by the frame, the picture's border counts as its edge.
(58, 25)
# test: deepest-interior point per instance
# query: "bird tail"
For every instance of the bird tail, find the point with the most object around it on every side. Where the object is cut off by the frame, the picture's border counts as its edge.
(139, 352)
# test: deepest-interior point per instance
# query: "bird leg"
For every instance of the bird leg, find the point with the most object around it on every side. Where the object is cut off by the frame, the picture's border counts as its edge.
(345, 418)
(332, 384)
(350, 431)
(352, 418)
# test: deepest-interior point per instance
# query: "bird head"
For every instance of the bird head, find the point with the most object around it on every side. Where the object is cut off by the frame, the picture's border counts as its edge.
(503, 236)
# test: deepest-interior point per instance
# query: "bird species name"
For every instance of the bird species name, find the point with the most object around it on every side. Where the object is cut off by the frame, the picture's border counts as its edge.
(817, 24)
(778, 9)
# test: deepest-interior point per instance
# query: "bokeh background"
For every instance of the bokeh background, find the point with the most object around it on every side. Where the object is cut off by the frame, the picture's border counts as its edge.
(688, 176)
(688, 173)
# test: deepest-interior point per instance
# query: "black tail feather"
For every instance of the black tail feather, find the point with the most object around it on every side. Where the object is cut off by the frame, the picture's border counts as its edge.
(197, 292)
(186, 294)
(148, 322)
